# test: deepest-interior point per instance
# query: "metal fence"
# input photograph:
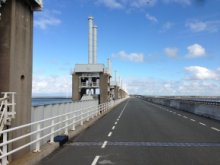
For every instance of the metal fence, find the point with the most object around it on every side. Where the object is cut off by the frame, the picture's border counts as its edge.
(46, 129)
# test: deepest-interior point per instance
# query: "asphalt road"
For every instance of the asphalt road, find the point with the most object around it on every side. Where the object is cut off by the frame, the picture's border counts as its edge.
(140, 133)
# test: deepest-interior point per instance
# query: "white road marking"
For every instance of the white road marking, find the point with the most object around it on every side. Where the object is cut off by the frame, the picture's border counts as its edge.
(179, 114)
(202, 124)
(185, 117)
(113, 127)
(192, 120)
(104, 144)
(116, 123)
(123, 109)
(216, 129)
(95, 160)
(110, 134)
(117, 119)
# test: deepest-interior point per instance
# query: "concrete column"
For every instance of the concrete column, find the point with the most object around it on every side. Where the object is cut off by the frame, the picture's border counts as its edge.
(104, 85)
(75, 87)
(116, 90)
(16, 35)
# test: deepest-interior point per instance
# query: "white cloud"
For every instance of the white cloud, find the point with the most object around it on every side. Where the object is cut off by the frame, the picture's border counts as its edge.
(142, 3)
(201, 26)
(171, 52)
(186, 87)
(151, 18)
(167, 26)
(121, 4)
(47, 18)
(201, 73)
(113, 4)
(133, 57)
(182, 2)
(195, 50)
(52, 85)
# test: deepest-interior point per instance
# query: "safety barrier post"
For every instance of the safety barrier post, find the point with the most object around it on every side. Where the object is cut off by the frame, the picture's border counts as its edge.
(74, 120)
(37, 146)
(52, 132)
(81, 117)
(4, 149)
(66, 125)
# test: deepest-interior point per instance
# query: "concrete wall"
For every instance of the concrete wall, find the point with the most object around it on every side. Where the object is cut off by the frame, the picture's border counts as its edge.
(16, 33)
(75, 87)
(199, 108)
(104, 85)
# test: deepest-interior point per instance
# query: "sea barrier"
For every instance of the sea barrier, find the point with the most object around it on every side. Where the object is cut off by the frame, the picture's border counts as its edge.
(208, 109)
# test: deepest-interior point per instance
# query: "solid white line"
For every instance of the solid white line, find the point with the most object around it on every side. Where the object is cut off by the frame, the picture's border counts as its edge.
(216, 129)
(110, 134)
(104, 144)
(95, 160)
(113, 127)
(202, 124)
(192, 120)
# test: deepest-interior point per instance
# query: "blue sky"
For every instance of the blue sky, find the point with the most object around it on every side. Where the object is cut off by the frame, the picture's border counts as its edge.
(158, 47)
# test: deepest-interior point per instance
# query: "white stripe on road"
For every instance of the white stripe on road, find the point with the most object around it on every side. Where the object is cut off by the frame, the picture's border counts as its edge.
(110, 134)
(116, 123)
(216, 129)
(95, 160)
(104, 144)
(202, 124)
(185, 117)
(113, 127)
(192, 120)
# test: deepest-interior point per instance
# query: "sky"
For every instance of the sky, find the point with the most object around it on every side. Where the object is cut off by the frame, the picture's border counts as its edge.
(157, 47)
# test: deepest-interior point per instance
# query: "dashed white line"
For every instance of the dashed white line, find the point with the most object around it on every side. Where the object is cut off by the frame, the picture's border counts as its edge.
(179, 114)
(117, 119)
(202, 123)
(95, 160)
(116, 123)
(104, 144)
(192, 120)
(185, 117)
(110, 134)
(113, 127)
(216, 129)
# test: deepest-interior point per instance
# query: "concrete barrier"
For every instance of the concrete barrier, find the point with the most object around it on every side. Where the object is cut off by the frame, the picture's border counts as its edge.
(200, 108)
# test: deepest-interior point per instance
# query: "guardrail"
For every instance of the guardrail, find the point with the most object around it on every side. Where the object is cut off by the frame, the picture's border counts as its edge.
(62, 123)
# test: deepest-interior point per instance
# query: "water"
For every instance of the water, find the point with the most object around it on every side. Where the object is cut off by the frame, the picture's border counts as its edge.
(45, 101)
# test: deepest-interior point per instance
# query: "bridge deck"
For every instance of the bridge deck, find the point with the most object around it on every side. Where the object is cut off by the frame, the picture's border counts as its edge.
(138, 132)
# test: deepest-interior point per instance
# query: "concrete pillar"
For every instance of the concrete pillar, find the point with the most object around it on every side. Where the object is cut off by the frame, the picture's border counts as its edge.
(104, 85)
(116, 90)
(75, 87)
(16, 35)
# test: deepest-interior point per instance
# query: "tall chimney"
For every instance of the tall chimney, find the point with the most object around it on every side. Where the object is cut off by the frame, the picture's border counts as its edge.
(90, 49)
(109, 66)
(94, 44)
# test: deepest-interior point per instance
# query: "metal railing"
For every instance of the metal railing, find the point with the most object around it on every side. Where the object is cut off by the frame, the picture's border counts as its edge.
(7, 109)
(61, 123)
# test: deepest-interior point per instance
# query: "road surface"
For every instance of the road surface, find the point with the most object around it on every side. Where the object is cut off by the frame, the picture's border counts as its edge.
(141, 133)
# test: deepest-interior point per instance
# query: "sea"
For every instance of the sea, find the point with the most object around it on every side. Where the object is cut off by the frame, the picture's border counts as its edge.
(46, 101)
